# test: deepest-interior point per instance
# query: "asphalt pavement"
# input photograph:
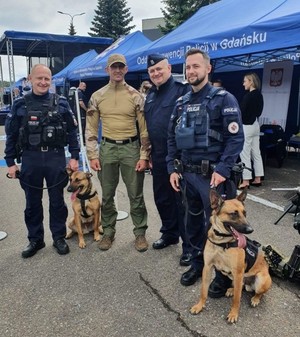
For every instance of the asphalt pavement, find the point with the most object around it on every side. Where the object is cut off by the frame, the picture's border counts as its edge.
(124, 293)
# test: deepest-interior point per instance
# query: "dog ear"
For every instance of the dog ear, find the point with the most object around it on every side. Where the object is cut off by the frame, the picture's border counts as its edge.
(69, 171)
(242, 196)
(215, 199)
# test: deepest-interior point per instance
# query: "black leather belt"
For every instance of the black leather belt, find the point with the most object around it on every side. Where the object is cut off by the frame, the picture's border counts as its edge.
(43, 148)
(120, 142)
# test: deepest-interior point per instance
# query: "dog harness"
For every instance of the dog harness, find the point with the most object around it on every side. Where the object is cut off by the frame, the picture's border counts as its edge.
(250, 247)
(82, 199)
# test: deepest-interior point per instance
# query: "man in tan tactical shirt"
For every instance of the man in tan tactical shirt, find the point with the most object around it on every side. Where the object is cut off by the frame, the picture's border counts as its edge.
(121, 109)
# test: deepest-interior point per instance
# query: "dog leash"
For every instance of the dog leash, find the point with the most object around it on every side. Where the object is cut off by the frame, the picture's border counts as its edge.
(18, 176)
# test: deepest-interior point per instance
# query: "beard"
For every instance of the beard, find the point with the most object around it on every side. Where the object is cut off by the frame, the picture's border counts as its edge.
(197, 81)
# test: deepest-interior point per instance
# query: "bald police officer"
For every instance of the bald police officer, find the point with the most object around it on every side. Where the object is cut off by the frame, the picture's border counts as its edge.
(160, 103)
(206, 138)
(42, 123)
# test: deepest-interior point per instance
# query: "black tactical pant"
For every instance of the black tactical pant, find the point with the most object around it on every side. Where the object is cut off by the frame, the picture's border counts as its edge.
(50, 166)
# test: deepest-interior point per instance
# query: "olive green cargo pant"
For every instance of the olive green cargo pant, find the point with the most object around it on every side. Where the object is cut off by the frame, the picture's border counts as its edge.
(116, 158)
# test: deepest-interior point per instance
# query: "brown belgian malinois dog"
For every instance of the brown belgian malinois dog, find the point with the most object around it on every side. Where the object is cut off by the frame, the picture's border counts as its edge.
(86, 206)
(226, 249)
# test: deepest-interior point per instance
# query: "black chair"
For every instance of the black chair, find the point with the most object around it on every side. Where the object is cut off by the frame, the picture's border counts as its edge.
(273, 143)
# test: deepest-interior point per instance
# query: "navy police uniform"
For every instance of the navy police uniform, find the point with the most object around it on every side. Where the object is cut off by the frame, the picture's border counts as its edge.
(205, 134)
(159, 105)
(41, 126)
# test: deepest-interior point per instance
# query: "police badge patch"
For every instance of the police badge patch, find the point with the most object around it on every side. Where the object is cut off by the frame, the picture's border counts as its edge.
(233, 127)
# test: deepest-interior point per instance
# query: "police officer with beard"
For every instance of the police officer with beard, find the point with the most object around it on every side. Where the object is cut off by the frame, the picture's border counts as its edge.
(204, 141)
(160, 103)
(40, 124)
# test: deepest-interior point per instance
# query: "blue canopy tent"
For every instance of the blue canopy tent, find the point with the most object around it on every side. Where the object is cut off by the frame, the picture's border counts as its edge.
(79, 61)
(95, 69)
(239, 33)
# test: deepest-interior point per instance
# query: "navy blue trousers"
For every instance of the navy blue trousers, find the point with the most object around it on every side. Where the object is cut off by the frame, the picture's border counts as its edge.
(169, 206)
(199, 211)
(36, 167)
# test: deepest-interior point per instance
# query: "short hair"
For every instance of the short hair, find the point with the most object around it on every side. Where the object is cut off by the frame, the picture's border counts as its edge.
(194, 51)
(255, 80)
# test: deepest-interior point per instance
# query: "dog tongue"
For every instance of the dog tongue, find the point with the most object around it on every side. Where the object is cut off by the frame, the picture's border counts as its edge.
(73, 195)
(242, 242)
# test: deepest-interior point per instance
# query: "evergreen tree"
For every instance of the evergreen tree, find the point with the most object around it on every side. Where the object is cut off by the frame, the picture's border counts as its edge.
(72, 30)
(111, 19)
(178, 11)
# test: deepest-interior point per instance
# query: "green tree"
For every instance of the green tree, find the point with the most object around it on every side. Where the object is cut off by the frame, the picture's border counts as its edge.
(72, 30)
(111, 19)
(178, 11)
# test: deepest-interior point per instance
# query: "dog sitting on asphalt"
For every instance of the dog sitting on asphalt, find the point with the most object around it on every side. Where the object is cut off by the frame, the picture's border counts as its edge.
(86, 206)
(232, 253)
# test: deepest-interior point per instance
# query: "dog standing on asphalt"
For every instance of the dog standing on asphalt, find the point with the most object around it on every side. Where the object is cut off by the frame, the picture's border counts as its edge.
(86, 206)
(226, 249)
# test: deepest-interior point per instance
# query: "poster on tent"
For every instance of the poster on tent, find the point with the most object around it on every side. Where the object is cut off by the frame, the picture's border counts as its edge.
(276, 88)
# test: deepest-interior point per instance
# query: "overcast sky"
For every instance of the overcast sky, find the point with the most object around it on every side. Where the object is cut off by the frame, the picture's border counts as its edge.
(42, 17)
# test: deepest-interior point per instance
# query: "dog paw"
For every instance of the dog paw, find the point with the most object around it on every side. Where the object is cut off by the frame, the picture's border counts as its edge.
(69, 235)
(232, 317)
(82, 244)
(97, 237)
(255, 300)
(248, 288)
(196, 309)
(229, 292)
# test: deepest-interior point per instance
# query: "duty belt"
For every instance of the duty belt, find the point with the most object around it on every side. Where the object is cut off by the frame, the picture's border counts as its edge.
(206, 168)
(120, 142)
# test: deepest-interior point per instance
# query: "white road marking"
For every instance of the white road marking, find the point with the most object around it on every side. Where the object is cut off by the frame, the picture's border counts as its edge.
(265, 202)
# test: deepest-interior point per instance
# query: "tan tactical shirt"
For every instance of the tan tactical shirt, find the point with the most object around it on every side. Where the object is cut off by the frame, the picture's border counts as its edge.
(119, 106)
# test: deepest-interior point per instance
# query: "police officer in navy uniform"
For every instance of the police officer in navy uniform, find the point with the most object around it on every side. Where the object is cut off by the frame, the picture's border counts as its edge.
(160, 103)
(41, 124)
(204, 141)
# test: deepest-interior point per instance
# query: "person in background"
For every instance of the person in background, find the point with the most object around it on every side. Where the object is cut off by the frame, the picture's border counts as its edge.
(16, 93)
(218, 83)
(251, 107)
(144, 88)
(121, 109)
(42, 124)
(205, 139)
(159, 105)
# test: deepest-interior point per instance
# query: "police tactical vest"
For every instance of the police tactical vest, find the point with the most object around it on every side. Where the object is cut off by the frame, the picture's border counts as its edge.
(43, 125)
(194, 129)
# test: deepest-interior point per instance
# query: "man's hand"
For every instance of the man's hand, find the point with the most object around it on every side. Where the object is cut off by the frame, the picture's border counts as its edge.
(12, 171)
(174, 180)
(216, 179)
(73, 165)
(95, 164)
(142, 165)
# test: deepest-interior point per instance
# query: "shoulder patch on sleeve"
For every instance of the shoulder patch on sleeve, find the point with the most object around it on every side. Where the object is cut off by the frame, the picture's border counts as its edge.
(233, 127)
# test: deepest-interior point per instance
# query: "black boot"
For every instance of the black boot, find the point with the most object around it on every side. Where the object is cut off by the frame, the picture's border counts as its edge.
(219, 285)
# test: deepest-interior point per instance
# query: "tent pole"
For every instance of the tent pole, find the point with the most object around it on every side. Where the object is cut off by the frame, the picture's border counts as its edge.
(1, 83)
(298, 112)
(85, 162)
